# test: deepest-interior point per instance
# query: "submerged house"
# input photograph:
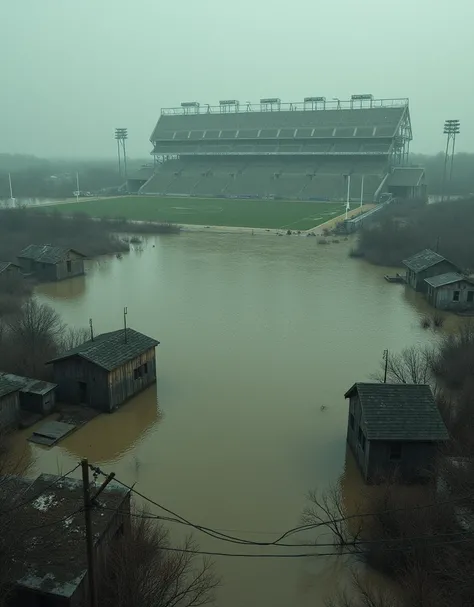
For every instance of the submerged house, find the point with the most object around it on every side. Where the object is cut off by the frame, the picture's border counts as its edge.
(9, 271)
(423, 265)
(49, 566)
(48, 263)
(394, 428)
(451, 291)
(106, 371)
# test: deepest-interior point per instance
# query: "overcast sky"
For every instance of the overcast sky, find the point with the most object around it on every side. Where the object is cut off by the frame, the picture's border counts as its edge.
(73, 70)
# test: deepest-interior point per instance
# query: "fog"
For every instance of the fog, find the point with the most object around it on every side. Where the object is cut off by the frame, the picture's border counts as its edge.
(73, 71)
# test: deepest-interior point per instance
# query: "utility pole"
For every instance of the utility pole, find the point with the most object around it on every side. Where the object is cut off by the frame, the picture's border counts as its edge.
(89, 537)
(385, 355)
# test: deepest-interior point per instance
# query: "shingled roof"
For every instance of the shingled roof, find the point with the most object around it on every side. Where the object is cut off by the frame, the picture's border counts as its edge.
(423, 260)
(110, 350)
(46, 253)
(446, 279)
(399, 412)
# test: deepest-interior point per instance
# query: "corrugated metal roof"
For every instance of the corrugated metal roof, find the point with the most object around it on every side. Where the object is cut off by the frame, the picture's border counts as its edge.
(46, 253)
(7, 386)
(400, 412)
(423, 260)
(4, 265)
(446, 279)
(110, 350)
(406, 177)
(35, 386)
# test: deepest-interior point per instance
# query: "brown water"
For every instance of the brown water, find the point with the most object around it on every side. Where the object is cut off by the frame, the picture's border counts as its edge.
(257, 334)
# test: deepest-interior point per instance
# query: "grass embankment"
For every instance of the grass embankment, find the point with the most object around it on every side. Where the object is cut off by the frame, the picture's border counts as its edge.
(276, 214)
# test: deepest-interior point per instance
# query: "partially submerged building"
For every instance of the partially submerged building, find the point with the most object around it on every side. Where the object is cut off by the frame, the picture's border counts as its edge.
(394, 429)
(106, 371)
(423, 265)
(451, 291)
(35, 395)
(407, 183)
(48, 263)
(9, 271)
(50, 566)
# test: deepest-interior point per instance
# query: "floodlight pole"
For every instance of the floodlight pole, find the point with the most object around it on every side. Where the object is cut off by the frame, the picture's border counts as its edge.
(362, 191)
(348, 201)
(451, 129)
(77, 186)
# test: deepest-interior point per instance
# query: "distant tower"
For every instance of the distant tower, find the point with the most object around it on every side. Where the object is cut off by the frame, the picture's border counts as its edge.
(451, 129)
(121, 135)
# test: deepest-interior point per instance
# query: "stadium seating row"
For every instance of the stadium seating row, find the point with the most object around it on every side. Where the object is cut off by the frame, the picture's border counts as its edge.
(343, 146)
(260, 178)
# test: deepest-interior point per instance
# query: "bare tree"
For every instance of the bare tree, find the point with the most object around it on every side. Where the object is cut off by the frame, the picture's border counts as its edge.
(72, 337)
(363, 593)
(411, 366)
(326, 511)
(142, 573)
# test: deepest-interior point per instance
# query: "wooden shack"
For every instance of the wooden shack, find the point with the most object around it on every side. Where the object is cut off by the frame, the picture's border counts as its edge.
(49, 564)
(394, 429)
(48, 263)
(451, 291)
(9, 403)
(9, 271)
(35, 395)
(423, 265)
(106, 371)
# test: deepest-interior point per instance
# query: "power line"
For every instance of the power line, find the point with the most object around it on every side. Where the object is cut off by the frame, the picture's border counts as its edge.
(232, 539)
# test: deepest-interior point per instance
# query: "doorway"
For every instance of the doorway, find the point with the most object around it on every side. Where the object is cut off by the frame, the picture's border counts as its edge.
(83, 396)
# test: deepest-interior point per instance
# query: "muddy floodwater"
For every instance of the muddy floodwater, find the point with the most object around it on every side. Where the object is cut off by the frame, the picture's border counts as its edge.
(260, 338)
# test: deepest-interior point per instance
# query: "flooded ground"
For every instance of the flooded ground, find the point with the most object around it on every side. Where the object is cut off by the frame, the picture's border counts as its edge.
(260, 338)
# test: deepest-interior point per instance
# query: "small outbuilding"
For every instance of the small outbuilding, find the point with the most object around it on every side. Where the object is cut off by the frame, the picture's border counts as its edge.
(48, 263)
(9, 271)
(48, 539)
(106, 371)
(423, 265)
(451, 291)
(408, 183)
(9, 403)
(35, 395)
(394, 429)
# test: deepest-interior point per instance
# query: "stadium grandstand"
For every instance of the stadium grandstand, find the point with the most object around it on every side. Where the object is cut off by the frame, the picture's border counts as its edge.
(313, 150)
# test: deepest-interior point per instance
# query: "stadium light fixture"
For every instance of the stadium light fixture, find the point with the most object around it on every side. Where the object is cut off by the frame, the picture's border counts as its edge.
(361, 99)
(451, 129)
(190, 107)
(228, 105)
(314, 102)
(269, 103)
(121, 135)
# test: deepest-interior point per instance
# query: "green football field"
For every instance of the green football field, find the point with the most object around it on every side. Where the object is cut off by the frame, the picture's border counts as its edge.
(292, 215)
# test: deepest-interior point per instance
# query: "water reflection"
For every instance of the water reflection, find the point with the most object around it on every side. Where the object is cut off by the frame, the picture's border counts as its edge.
(70, 289)
(109, 437)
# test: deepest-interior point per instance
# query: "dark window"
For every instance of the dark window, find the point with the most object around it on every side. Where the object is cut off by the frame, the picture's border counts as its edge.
(470, 296)
(136, 373)
(145, 368)
(363, 442)
(120, 530)
(68, 265)
(396, 451)
(351, 420)
(455, 295)
(359, 436)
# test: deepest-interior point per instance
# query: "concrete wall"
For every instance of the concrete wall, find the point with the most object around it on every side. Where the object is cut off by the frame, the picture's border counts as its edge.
(443, 297)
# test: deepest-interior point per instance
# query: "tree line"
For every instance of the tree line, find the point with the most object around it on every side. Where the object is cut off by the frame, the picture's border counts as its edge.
(406, 227)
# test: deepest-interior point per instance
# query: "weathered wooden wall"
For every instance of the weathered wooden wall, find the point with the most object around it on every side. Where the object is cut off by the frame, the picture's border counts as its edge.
(122, 383)
(442, 297)
(10, 410)
(70, 372)
(361, 454)
(38, 403)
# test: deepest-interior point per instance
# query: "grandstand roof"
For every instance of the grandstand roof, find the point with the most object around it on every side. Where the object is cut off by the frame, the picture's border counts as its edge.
(360, 123)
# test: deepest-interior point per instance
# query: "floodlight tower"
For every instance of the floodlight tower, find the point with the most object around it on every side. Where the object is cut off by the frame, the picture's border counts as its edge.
(451, 129)
(121, 135)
